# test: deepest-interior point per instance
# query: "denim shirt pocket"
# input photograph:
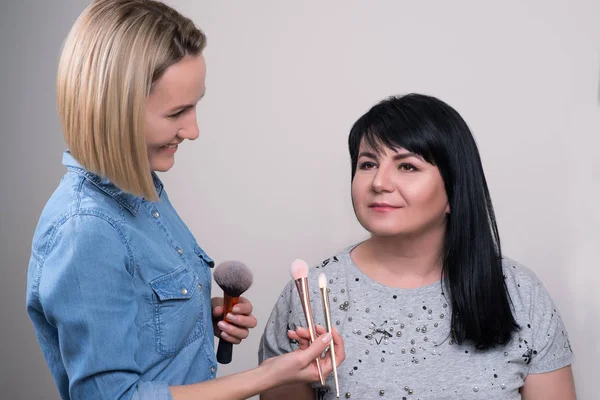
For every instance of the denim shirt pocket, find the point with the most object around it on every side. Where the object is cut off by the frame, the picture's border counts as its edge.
(178, 311)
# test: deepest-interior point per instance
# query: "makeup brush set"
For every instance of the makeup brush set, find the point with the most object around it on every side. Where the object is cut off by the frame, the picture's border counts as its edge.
(299, 272)
(235, 278)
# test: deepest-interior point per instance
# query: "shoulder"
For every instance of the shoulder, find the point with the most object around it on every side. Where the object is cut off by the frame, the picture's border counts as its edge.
(520, 280)
(528, 295)
(77, 211)
(333, 267)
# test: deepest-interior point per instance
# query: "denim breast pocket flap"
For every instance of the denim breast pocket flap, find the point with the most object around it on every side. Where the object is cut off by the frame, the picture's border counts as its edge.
(179, 284)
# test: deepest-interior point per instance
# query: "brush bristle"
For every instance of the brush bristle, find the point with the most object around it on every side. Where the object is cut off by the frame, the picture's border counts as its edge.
(322, 281)
(299, 269)
(233, 277)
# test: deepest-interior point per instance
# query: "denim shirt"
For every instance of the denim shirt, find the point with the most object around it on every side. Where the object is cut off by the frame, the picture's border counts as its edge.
(119, 292)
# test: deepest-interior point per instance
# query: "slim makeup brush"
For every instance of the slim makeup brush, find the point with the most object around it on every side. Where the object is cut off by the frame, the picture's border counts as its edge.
(327, 314)
(299, 273)
(234, 278)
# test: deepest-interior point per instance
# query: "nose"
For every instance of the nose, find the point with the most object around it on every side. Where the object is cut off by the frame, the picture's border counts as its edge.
(190, 129)
(382, 181)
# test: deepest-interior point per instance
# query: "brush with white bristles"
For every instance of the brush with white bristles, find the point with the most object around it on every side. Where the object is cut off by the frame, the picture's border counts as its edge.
(299, 272)
(327, 314)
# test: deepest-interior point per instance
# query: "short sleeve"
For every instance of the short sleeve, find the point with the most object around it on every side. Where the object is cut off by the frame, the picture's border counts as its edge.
(274, 340)
(550, 349)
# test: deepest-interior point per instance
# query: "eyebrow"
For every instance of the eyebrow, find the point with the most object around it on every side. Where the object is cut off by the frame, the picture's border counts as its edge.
(397, 157)
(182, 107)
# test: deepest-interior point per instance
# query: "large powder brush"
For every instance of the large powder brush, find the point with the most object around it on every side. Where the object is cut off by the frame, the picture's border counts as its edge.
(234, 278)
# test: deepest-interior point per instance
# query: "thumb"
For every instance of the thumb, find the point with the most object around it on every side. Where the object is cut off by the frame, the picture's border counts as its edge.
(217, 311)
(316, 348)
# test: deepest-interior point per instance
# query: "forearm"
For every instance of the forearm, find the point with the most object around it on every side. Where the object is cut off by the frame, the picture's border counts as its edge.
(298, 391)
(232, 387)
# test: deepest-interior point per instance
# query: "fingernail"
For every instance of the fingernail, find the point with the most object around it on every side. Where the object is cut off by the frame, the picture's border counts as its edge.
(224, 335)
(235, 309)
(231, 317)
(222, 325)
(326, 338)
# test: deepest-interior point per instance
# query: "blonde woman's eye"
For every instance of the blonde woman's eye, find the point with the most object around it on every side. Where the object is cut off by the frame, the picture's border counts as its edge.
(177, 114)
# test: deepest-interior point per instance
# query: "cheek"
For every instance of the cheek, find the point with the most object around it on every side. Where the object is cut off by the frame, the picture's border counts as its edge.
(420, 190)
(430, 194)
(358, 190)
(158, 131)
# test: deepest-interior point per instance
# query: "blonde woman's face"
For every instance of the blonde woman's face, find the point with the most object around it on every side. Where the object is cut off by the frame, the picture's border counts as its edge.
(171, 110)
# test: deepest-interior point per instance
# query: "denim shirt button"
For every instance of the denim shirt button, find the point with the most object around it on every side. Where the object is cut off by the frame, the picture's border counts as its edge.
(212, 370)
(200, 286)
(155, 214)
(184, 291)
(180, 250)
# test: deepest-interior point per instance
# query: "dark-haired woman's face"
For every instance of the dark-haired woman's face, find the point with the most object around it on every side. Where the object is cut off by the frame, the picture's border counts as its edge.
(397, 193)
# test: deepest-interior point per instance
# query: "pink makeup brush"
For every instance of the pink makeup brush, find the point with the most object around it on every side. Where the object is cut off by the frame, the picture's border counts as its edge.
(299, 273)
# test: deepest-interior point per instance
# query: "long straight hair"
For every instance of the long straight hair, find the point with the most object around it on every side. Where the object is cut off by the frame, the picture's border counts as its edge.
(472, 257)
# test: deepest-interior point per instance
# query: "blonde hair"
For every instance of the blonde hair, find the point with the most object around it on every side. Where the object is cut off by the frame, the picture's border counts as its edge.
(113, 54)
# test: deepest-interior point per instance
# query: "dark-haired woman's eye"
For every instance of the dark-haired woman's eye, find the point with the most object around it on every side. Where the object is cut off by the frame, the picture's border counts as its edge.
(366, 165)
(407, 167)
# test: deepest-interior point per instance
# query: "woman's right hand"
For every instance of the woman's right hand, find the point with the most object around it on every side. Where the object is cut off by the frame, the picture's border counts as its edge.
(300, 366)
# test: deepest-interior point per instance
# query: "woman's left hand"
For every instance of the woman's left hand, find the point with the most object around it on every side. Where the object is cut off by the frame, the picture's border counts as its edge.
(236, 325)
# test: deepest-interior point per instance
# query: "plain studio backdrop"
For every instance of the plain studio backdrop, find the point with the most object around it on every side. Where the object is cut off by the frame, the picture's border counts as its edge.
(268, 180)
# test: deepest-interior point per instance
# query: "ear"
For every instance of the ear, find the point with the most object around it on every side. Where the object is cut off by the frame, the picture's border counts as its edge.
(448, 208)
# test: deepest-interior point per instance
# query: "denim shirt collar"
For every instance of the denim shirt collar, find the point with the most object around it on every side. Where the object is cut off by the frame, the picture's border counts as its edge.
(129, 201)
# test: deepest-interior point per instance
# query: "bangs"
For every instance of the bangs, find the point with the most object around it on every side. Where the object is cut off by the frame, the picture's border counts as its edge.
(395, 128)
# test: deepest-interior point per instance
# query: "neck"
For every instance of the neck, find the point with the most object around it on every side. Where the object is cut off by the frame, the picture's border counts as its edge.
(404, 262)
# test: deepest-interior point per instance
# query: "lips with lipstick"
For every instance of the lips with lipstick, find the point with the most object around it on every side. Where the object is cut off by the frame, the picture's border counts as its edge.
(383, 207)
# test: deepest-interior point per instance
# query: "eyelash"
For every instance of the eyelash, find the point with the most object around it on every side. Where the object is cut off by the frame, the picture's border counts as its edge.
(366, 165)
(177, 114)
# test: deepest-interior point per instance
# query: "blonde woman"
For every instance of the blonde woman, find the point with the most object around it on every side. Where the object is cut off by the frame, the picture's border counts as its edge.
(118, 289)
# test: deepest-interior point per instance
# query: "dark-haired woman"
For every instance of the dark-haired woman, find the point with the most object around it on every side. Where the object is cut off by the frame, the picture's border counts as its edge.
(428, 306)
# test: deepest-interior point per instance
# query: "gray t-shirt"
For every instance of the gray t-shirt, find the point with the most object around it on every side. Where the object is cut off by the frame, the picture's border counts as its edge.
(398, 343)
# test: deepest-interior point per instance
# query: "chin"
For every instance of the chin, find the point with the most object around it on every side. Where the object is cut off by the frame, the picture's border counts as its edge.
(383, 230)
(162, 165)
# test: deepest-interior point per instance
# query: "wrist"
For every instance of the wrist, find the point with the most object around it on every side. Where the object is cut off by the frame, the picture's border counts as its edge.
(269, 375)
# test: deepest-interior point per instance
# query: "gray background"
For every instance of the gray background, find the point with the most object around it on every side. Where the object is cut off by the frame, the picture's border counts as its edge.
(268, 180)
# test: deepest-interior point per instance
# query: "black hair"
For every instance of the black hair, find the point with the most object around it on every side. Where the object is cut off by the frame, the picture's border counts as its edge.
(472, 258)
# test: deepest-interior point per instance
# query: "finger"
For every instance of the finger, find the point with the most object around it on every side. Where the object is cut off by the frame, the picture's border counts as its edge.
(233, 331)
(321, 330)
(230, 339)
(315, 350)
(243, 321)
(243, 307)
(338, 344)
(217, 312)
(303, 332)
(216, 301)
(303, 343)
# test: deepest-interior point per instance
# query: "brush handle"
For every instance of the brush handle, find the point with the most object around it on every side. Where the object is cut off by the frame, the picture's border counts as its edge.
(327, 314)
(302, 286)
(225, 348)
